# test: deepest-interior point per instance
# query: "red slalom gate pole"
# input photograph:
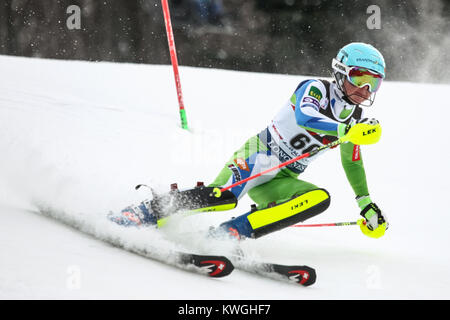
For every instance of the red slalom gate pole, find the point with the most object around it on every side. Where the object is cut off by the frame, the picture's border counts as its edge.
(174, 60)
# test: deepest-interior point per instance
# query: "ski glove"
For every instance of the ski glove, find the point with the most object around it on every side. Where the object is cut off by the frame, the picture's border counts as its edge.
(375, 223)
(363, 131)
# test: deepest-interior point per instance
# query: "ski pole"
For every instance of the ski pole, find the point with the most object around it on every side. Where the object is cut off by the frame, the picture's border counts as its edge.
(360, 133)
(218, 192)
(333, 224)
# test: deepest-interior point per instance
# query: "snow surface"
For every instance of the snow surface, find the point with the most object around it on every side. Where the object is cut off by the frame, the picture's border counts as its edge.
(78, 136)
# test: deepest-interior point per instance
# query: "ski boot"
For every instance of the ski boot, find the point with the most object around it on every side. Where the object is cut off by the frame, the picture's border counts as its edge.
(134, 216)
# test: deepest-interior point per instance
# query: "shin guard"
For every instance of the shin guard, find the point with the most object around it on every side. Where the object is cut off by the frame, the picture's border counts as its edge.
(258, 223)
(198, 199)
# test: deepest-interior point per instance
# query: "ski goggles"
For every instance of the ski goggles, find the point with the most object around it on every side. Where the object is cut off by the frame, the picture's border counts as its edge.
(359, 76)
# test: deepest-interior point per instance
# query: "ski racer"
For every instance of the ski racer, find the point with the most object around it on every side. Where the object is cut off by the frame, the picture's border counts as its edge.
(318, 112)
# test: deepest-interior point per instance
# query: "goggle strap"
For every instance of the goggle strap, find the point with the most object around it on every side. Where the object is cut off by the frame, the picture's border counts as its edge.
(340, 67)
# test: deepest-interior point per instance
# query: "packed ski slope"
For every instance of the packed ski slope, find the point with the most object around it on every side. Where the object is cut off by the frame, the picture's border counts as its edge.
(77, 137)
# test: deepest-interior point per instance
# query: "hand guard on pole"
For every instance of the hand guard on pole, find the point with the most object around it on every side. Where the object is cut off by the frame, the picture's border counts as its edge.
(374, 224)
(364, 131)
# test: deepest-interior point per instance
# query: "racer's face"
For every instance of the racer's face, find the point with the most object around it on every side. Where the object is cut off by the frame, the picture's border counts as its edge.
(355, 94)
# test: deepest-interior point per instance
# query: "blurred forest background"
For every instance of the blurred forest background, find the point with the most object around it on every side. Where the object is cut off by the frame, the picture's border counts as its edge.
(276, 36)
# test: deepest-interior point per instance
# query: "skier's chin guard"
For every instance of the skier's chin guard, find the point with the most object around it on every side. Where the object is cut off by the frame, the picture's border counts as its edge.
(258, 223)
